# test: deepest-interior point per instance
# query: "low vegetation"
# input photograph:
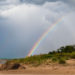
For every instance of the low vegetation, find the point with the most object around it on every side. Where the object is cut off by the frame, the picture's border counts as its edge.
(60, 56)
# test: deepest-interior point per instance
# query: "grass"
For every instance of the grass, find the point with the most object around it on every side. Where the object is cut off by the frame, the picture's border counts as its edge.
(36, 60)
(54, 59)
(62, 61)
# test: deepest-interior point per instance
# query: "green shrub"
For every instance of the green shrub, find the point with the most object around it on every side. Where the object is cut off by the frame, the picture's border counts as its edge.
(62, 61)
(73, 56)
(54, 59)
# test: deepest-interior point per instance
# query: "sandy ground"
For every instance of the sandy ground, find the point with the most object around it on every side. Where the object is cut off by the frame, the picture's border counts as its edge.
(69, 68)
(56, 70)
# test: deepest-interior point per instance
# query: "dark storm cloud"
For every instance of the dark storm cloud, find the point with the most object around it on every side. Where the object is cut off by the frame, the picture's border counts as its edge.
(72, 2)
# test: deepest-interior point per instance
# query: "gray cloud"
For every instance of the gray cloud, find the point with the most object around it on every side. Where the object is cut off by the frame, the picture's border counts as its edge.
(62, 35)
(21, 26)
(7, 4)
(72, 2)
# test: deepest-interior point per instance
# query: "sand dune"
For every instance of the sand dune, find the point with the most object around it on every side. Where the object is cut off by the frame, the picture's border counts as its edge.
(68, 68)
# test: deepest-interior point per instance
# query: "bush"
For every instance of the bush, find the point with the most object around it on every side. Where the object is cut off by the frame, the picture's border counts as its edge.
(73, 55)
(62, 61)
(54, 59)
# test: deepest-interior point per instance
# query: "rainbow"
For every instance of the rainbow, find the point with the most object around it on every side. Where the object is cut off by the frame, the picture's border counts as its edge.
(44, 35)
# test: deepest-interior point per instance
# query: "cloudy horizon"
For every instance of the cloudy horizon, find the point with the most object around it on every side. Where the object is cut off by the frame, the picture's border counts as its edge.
(22, 22)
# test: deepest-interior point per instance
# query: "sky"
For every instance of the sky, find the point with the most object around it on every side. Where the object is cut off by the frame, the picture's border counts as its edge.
(23, 22)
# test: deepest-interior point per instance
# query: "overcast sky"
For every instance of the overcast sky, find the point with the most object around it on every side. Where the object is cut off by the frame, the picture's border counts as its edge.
(22, 22)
